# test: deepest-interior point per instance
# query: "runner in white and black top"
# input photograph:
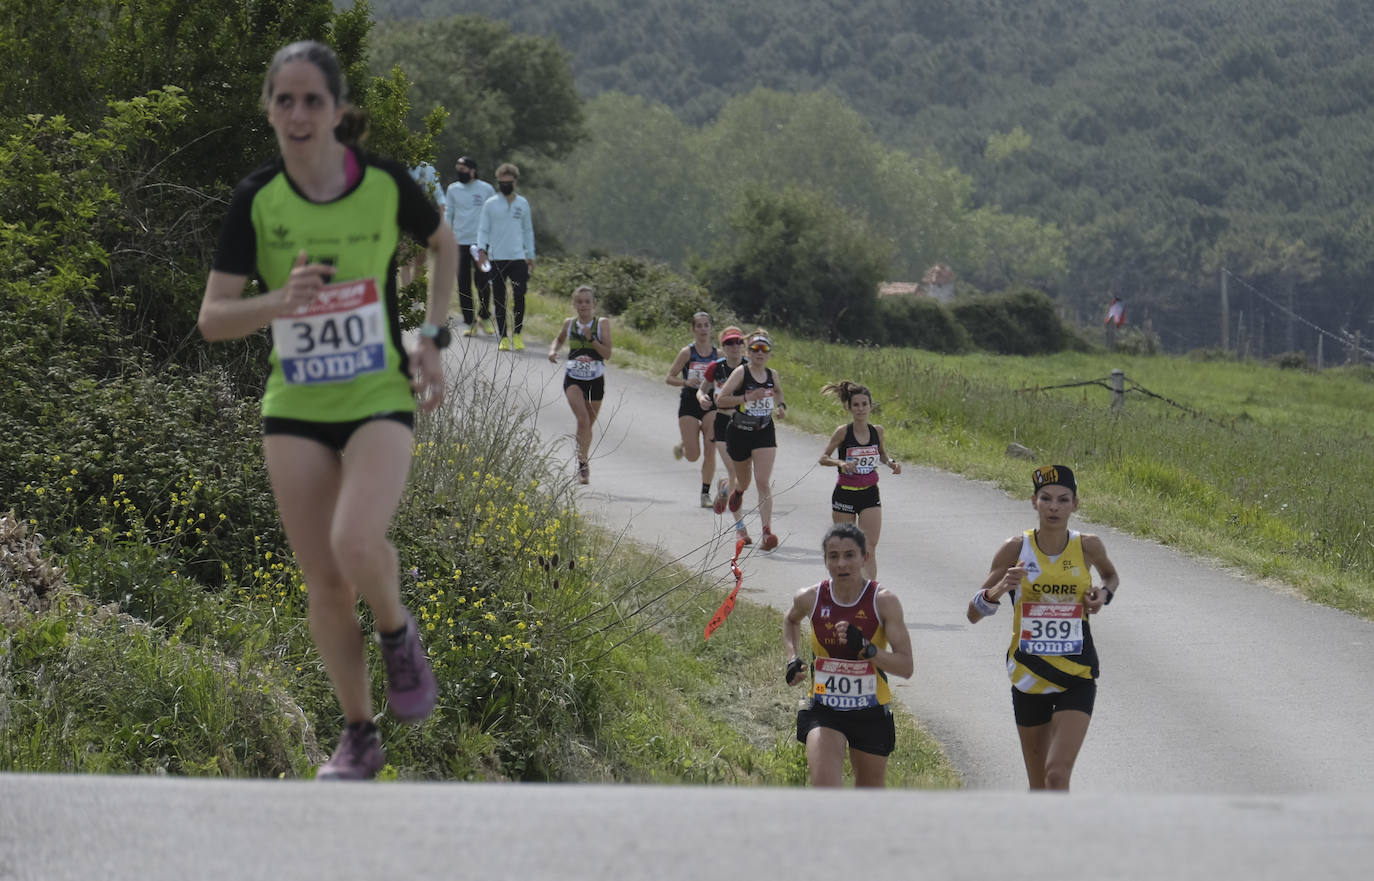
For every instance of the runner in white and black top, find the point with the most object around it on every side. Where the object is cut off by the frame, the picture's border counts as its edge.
(589, 343)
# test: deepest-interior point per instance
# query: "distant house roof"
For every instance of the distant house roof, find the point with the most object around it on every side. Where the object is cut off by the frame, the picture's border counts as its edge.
(938, 274)
(898, 288)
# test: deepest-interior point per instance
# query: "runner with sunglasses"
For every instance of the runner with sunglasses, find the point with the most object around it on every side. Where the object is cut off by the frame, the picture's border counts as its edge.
(732, 343)
(755, 393)
(688, 372)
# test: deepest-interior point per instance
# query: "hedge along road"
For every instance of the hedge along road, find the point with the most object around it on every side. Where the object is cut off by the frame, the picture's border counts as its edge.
(1211, 682)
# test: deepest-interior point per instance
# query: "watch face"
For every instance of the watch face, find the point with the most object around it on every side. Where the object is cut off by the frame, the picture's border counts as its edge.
(442, 338)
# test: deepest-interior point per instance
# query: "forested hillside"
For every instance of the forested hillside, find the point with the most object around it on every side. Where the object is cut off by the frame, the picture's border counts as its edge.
(1168, 139)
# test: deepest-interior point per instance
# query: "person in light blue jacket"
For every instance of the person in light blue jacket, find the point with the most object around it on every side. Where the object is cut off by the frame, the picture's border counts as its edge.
(463, 205)
(505, 236)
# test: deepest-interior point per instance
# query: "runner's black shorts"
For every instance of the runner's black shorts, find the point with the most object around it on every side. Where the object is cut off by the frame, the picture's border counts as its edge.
(741, 444)
(1037, 709)
(334, 435)
(720, 432)
(688, 405)
(592, 389)
(870, 730)
(852, 501)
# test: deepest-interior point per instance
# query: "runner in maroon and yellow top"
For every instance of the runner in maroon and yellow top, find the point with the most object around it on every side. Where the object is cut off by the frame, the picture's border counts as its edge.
(858, 638)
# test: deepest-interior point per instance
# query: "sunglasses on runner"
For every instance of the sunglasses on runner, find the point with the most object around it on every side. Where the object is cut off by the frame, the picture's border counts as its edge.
(760, 347)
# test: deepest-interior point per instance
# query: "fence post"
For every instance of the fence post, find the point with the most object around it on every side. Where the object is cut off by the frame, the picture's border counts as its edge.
(1118, 389)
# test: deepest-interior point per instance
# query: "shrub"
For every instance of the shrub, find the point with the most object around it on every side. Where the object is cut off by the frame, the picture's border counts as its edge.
(171, 460)
(1291, 361)
(921, 323)
(1019, 323)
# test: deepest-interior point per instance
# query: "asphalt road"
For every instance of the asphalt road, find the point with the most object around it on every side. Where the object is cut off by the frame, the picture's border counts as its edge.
(1229, 739)
(146, 829)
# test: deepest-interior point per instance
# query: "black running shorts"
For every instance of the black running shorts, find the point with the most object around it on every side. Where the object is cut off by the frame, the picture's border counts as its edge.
(870, 730)
(1037, 709)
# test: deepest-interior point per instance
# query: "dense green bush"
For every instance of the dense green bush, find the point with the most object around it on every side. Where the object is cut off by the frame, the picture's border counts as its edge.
(919, 323)
(1020, 323)
(170, 459)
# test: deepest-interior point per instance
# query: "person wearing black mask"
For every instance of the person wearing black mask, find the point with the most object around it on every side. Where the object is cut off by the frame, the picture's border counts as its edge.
(463, 202)
(505, 236)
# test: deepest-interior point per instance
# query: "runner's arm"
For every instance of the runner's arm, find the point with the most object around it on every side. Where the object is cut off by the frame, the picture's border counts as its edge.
(675, 372)
(896, 658)
(882, 452)
(562, 338)
(1095, 555)
(226, 314)
(1004, 575)
(602, 343)
(791, 626)
(443, 257)
(836, 438)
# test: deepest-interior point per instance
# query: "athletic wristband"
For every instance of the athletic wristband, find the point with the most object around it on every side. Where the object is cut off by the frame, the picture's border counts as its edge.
(985, 606)
(794, 667)
(854, 638)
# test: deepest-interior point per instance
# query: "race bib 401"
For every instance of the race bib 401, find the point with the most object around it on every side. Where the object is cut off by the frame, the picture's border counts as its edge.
(845, 685)
(338, 337)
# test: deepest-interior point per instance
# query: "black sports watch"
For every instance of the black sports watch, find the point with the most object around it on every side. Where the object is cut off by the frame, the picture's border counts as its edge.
(436, 333)
(869, 651)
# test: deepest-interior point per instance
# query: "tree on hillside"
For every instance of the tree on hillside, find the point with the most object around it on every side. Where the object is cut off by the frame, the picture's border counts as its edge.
(646, 183)
(508, 96)
(798, 260)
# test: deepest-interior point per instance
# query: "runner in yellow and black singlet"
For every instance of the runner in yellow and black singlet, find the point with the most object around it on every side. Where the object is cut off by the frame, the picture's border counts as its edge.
(1052, 660)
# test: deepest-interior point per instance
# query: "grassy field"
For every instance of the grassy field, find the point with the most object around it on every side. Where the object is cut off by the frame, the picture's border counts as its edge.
(1255, 467)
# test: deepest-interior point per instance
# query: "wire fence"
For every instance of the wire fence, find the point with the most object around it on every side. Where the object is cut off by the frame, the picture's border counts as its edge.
(1126, 387)
(1348, 341)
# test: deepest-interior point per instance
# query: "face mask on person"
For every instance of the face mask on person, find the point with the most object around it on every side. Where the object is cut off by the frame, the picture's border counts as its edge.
(507, 187)
(464, 176)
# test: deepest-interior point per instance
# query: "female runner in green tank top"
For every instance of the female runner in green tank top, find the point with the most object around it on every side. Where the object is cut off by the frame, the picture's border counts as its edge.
(318, 228)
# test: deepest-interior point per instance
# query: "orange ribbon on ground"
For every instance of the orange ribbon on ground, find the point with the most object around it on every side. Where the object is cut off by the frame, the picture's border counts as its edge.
(729, 605)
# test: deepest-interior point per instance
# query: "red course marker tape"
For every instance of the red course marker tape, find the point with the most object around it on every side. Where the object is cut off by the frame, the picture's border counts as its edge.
(729, 605)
